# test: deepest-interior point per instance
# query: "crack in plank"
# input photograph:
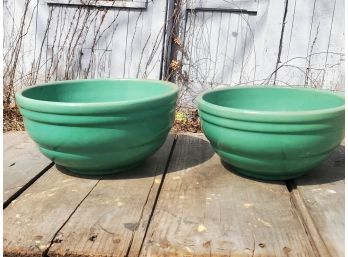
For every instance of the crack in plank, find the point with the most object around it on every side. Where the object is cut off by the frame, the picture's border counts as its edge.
(45, 252)
(26, 186)
(299, 206)
(157, 195)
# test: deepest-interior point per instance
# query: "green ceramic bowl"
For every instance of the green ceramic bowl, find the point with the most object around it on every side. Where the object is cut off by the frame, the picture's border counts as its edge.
(99, 127)
(274, 133)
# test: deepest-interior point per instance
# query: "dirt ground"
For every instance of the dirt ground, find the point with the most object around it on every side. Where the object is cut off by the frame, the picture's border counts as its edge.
(187, 121)
(12, 119)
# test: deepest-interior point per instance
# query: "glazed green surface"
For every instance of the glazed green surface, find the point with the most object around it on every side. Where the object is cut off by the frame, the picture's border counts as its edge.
(99, 126)
(108, 91)
(273, 99)
(272, 132)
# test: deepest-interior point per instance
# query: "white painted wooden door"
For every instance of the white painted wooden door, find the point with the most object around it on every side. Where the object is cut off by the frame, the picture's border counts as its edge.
(74, 39)
(215, 42)
(252, 42)
(217, 45)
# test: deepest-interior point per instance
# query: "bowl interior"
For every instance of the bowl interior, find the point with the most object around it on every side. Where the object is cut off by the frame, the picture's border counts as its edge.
(94, 91)
(274, 99)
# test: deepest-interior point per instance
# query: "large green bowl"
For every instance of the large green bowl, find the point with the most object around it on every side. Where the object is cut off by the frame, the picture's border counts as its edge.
(99, 127)
(273, 133)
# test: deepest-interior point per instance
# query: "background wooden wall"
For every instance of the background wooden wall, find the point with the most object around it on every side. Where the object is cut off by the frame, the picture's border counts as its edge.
(199, 44)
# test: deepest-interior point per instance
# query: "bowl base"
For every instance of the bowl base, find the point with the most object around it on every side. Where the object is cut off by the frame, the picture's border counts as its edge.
(103, 172)
(252, 174)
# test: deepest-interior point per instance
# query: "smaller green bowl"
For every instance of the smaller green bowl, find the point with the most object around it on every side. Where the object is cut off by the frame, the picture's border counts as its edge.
(273, 133)
(97, 127)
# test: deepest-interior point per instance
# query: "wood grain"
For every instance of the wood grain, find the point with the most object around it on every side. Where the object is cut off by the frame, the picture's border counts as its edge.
(22, 162)
(69, 215)
(322, 194)
(83, 39)
(243, 42)
(112, 220)
(314, 54)
(205, 210)
(32, 220)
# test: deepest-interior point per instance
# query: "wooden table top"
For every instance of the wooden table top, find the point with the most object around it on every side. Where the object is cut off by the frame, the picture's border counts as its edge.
(181, 202)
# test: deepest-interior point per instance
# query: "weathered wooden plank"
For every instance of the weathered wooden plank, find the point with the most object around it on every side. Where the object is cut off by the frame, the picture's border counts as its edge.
(257, 36)
(95, 58)
(228, 48)
(32, 220)
(150, 67)
(37, 59)
(112, 220)
(322, 191)
(56, 211)
(313, 56)
(294, 46)
(193, 46)
(132, 51)
(219, 50)
(252, 51)
(202, 58)
(334, 74)
(215, 46)
(241, 52)
(267, 34)
(119, 46)
(22, 162)
(21, 18)
(229, 38)
(64, 41)
(71, 40)
(318, 41)
(205, 210)
(10, 29)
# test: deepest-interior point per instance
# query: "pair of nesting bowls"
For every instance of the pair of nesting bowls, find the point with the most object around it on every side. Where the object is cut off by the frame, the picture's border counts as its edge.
(98, 127)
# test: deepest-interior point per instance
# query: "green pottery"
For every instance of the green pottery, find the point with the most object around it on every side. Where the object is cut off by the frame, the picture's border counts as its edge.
(273, 133)
(96, 127)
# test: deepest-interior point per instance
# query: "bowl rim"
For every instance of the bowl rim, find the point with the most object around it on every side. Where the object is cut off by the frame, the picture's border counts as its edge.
(78, 107)
(254, 115)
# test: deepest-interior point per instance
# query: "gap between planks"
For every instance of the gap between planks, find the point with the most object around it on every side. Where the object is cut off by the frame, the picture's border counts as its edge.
(54, 238)
(129, 249)
(295, 197)
(23, 165)
(178, 223)
(26, 186)
(158, 193)
(299, 206)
